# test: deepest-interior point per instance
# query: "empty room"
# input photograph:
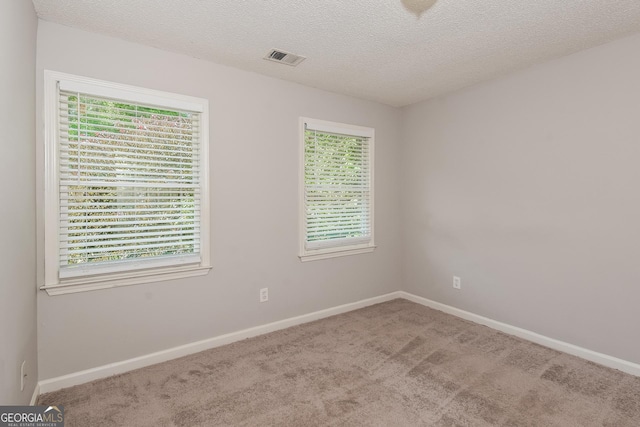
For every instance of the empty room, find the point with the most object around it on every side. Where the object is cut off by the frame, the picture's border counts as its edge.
(310, 213)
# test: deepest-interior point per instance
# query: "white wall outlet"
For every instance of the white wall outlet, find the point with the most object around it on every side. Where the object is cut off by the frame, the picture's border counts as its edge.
(264, 294)
(456, 282)
(23, 374)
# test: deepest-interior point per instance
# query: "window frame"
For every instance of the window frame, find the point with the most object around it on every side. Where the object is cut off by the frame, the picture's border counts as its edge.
(340, 249)
(153, 271)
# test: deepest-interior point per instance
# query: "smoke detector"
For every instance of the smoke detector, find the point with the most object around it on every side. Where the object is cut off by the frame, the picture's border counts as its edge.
(277, 55)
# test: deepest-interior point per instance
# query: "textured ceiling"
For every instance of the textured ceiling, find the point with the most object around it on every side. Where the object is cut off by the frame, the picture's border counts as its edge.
(383, 50)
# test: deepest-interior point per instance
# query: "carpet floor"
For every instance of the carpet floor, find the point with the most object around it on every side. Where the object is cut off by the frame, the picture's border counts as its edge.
(392, 364)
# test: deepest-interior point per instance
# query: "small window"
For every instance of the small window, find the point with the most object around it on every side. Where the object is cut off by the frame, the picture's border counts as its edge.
(336, 189)
(126, 183)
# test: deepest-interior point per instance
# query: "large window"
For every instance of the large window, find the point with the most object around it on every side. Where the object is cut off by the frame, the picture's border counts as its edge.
(336, 189)
(126, 176)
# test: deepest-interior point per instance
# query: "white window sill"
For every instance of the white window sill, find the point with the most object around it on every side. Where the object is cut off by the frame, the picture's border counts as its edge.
(105, 281)
(335, 252)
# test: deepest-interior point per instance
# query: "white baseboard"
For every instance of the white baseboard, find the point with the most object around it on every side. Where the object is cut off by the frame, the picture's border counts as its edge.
(593, 356)
(53, 384)
(34, 396)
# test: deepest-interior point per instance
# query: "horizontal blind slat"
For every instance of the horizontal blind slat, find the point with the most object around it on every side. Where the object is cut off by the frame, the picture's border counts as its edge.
(82, 247)
(115, 145)
(122, 156)
(91, 238)
(142, 222)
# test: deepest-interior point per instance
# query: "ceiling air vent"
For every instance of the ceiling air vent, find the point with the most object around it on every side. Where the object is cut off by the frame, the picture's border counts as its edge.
(283, 57)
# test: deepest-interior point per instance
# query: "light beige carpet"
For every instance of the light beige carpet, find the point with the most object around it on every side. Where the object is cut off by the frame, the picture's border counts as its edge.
(392, 364)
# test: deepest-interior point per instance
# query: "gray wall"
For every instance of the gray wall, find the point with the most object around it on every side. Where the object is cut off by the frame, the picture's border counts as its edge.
(254, 193)
(18, 27)
(527, 188)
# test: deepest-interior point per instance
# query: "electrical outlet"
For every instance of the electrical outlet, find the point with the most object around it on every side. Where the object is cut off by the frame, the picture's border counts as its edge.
(264, 294)
(23, 374)
(456, 282)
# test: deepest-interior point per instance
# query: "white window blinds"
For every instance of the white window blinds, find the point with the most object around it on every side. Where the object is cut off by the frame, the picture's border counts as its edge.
(337, 187)
(129, 185)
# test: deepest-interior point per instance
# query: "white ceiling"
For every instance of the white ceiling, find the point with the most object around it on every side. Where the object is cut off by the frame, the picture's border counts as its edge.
(371, 49)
